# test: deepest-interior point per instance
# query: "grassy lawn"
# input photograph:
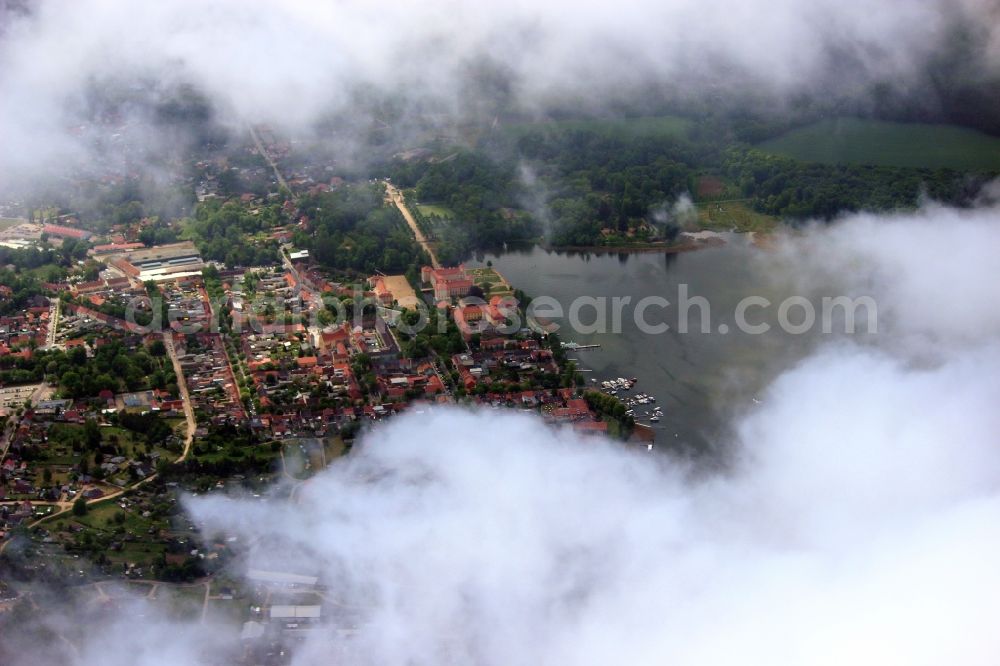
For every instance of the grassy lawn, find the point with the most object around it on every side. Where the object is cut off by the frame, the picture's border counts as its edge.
(101, 516)
(334, 448)
(498, 286)
(479, 275)
(179, 426)
(98, 515)
(8, 222)
(727, 216)
(261, 451)
(434, 209)
(125, 440)
(917, 145)
(141, 553)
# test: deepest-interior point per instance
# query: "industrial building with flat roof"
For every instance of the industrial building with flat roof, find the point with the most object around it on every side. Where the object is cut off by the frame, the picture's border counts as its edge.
(295, 612)
(164, 262)
(281, 578)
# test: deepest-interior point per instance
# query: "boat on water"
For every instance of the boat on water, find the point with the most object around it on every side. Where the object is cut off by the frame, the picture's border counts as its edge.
(576, 345)
(618, 384)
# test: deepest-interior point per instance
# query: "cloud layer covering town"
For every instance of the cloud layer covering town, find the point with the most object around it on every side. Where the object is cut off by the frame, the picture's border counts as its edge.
(852, 512)
(854, 521)
(293, 63)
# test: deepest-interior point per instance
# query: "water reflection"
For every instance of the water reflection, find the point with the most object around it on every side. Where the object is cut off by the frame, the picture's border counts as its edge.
(699, 378)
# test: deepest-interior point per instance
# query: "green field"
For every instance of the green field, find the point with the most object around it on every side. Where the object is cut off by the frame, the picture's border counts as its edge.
(433, 209)
(645, 126)
(8, 222)
(915, 145)
(733, 215)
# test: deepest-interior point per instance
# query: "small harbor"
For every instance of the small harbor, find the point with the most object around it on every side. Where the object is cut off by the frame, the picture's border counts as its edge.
(640, 406)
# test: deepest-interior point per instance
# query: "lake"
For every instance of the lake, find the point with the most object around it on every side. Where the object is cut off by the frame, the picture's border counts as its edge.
(700, 379)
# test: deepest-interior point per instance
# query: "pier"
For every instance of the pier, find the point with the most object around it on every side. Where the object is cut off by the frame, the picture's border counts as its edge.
(576, 347)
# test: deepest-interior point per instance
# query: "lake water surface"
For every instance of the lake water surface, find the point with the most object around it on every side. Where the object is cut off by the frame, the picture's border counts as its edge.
(700, 379)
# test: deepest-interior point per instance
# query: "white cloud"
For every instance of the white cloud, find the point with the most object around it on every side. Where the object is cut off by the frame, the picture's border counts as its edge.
(289, 63)
(928, 270)
(860, 526)
(860, 521)
(857, 523)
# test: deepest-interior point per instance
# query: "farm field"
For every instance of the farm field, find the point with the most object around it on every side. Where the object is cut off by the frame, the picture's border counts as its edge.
(913, 145)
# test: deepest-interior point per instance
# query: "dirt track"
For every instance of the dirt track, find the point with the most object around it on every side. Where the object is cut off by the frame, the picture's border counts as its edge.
(397, 198)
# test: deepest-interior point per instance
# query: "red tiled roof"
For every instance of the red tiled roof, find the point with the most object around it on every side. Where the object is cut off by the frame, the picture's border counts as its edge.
(65, 232)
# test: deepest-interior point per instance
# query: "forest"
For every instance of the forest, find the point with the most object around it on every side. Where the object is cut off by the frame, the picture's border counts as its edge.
(601, 182)
(593, 183)
(486, 196)
(23, 290)
(225, 231)
(114, 367)
(353, 232)
(791, 189)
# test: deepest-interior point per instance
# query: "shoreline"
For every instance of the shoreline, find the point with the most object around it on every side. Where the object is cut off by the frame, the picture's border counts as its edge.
(661, 248)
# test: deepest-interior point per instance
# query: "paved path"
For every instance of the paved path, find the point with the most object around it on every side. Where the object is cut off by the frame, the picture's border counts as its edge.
(397, 198)
(168, 342)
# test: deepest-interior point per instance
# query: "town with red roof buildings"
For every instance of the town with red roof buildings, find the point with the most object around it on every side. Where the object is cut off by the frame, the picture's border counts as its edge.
(271, 354)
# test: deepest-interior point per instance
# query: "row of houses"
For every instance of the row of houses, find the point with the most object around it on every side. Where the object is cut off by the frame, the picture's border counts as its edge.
(210, 381)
